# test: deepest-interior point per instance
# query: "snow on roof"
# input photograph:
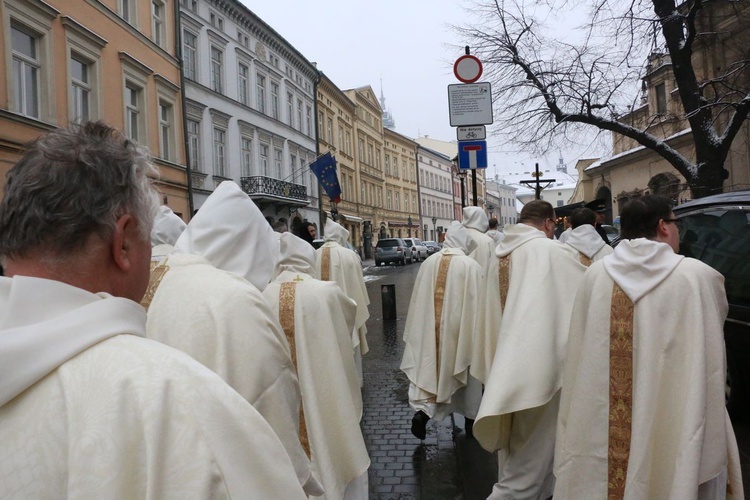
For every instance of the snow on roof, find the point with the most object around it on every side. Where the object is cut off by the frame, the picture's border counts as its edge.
(633, 150)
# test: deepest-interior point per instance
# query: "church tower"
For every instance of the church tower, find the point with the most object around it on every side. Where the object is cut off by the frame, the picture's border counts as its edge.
(388, 121)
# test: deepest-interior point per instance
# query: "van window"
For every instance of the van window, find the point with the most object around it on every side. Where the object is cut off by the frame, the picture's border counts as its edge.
(721, 238)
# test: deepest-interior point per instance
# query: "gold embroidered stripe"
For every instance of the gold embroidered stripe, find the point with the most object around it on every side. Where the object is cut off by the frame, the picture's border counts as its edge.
(286, 318)
(154, 280)
(620, 391)
(586, 261)
(442, 278)
(325, 265)
(504, 277)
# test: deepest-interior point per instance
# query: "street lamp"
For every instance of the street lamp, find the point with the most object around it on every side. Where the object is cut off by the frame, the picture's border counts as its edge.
(408, 223)
(434, 229)
(490, 208)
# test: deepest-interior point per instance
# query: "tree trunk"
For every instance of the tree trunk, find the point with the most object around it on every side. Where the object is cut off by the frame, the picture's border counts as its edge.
(710, 178)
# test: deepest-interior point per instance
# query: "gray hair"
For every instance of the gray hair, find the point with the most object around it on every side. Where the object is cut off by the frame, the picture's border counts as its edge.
(72, 183)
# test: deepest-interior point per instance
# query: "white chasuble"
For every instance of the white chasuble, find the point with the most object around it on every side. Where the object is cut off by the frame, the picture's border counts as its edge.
(92, 410)
(440, 328)
(335, 262)
(224, 323)
(532, 332)
(318, 319)
(642, 410)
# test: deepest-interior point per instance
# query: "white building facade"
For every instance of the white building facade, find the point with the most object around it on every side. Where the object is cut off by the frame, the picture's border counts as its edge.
(501, 202)
(250, 110)
(435, 193)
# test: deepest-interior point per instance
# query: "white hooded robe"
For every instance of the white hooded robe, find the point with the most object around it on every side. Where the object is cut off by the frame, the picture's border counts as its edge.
(681, 436)
(90, 409)
(344, 267)
(318, 318)
(586, 244)
(205, 306)
(519, 405)
(439, 343)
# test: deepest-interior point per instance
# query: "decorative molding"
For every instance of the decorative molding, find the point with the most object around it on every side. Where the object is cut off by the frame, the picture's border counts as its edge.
(162, 80)
(194, 109)
(246, 129)
(71, 24)
(219, 118)
(127, 58)
(217, 37)
(43, 8)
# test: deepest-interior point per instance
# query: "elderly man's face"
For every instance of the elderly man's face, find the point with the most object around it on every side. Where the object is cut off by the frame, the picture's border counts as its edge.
(311, 230)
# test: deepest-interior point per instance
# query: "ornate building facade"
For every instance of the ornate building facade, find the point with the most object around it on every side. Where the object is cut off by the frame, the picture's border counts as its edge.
(250, 113)
(68, 61)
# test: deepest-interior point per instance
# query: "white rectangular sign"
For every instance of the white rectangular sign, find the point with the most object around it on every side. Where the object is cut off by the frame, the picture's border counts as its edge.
(475, 133)
(470, 104)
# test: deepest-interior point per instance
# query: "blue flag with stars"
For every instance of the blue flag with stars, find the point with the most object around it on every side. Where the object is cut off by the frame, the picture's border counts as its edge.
(324, 169)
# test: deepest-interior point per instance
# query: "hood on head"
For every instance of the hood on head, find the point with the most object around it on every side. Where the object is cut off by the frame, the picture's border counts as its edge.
(475, 218)
(458, 236)
(336, 232)
(231, 233)
(295, 255)
(167, 227)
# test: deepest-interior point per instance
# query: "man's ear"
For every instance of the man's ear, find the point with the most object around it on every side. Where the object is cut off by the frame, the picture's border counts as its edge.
(662, 233)
(122, 242)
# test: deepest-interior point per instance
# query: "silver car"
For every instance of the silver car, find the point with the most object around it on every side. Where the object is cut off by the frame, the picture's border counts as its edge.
(419, 251)
(392, 250)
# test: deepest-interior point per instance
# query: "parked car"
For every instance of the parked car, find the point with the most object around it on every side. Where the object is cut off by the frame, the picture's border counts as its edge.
(432, 247)
(419, 251)
(716, 230)
(395, 250)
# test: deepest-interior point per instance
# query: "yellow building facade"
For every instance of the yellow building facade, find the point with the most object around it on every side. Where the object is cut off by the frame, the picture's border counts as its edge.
(336, 133)
(68, 61)
(401, 186)
(633, 170)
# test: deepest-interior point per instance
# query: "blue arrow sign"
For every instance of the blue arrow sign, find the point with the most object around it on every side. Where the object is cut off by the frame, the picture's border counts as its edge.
(472, 154)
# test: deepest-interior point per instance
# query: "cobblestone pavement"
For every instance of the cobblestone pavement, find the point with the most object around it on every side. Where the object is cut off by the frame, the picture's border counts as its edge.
(445, 465)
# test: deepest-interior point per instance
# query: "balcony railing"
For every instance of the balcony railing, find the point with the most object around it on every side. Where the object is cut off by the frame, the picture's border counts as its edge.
(268, 187)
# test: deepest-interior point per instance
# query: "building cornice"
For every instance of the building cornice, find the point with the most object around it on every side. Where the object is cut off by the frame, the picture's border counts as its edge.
(71, 24)
(245, 18)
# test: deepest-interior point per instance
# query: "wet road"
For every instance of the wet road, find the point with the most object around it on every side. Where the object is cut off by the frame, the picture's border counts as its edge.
(445, 465)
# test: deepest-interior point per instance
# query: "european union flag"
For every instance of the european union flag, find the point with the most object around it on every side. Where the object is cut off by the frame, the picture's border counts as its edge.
(324, 169)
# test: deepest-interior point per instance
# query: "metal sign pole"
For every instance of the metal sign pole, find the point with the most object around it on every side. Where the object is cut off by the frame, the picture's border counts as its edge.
(474, 185)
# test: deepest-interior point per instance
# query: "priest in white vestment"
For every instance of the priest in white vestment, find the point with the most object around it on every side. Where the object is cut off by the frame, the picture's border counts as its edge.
(477, 223)
(88, 407)
(583, 239)
(336, 262)
(536, 278)
(642, 411)
(167, 229)
(440, 327)
(493, 232)
(201, 301)
(317, 319)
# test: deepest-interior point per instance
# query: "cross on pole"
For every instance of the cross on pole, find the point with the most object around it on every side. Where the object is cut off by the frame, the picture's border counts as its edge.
(537, 189)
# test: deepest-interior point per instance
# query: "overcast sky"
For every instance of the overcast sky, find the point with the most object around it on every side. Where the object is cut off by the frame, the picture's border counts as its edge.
(406, 43)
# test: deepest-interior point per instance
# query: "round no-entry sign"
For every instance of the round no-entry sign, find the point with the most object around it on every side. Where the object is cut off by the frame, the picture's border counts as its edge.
(467, 69)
